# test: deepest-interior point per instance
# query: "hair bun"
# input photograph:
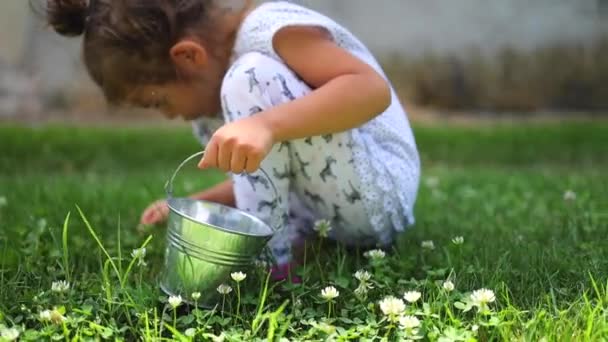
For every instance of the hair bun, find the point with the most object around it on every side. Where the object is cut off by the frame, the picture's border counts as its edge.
(67, 17)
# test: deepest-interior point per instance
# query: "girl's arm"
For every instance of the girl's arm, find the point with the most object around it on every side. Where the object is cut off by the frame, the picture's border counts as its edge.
(222, 193)
(348, 92)
(158, 211)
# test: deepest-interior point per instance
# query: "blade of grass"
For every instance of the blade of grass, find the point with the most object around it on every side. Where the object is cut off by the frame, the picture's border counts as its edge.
(119, 247)
(109, 258)
(66, 264)
(259, 316)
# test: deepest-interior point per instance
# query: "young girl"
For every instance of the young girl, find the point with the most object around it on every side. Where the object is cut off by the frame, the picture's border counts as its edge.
(300, 97)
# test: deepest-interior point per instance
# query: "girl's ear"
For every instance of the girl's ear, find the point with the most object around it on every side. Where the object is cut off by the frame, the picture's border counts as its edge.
(189, 56)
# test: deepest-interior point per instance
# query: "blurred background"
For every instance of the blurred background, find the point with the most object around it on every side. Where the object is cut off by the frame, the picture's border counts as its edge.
(447, 58)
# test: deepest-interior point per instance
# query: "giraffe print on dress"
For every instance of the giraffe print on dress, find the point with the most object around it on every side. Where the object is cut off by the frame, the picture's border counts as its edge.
(255, 109)
(284, 144)
(227, 110)
(338, 219)
(316, 200)
(328, 138)
(253, 180)
(286, 92)
(253, 80)
(287, 173)
(272, 205)
(233, 68)
(303, 165)
(284, 219)
(310, 185)
(327, 171)
(354, 195)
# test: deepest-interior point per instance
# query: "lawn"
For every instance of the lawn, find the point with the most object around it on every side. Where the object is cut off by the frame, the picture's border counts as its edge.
(519, 210)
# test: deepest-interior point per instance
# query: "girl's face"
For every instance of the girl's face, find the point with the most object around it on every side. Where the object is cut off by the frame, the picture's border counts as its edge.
(204, 66)
(125, 45)
(191, 97)
(135, 69)
(188, 100)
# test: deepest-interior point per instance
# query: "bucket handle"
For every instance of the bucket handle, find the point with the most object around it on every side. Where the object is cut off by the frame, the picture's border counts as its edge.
(169, 184)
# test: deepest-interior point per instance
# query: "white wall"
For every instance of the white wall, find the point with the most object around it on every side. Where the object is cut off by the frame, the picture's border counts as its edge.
(408, 27)
(416, 26)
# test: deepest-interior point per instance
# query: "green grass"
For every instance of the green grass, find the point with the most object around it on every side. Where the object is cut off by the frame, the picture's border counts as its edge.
(500, 187)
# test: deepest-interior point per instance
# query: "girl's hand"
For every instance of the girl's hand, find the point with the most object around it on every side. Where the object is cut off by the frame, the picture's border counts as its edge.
(239, 146)
(155, 213)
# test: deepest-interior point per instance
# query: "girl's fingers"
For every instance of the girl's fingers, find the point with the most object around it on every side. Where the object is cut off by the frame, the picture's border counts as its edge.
(148, 218)
(253, 163)
(154, 213)
(238, 161)
(224, 156)
(159, 210)
(210, 158)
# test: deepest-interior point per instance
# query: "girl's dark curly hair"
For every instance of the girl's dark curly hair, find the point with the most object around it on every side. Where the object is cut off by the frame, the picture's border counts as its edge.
(127, 42)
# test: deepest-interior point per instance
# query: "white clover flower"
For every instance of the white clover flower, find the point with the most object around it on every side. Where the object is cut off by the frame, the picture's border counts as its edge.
(363, 276)
(190, 332)
(392, 307)
(569, 196)
(326, 328)
(56, 317)
(375, 254)
(261, 264)
(432, 182)
(175, 301)
(41, 223)
(224, 289)
(428, 245)
(214, 338)
(139, 254)
(238, 276)
(474, 328)
(448, 286)
(409, 323)
(412, 296)
(459, 240)
(60, 286)
(361, 290)
(482, 297)
(45, 315)
(10, 334)
(330, 293)
(3, 201)
(196, 295)
(323, 227)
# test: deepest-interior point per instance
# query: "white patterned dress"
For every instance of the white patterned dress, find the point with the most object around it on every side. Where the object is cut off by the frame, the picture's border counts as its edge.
(365, 180)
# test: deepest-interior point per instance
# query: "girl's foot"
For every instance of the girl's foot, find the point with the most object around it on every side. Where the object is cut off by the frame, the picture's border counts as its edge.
(285, 272)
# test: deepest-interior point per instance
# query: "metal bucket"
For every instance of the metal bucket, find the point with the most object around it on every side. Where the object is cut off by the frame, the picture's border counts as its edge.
(206, 242)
